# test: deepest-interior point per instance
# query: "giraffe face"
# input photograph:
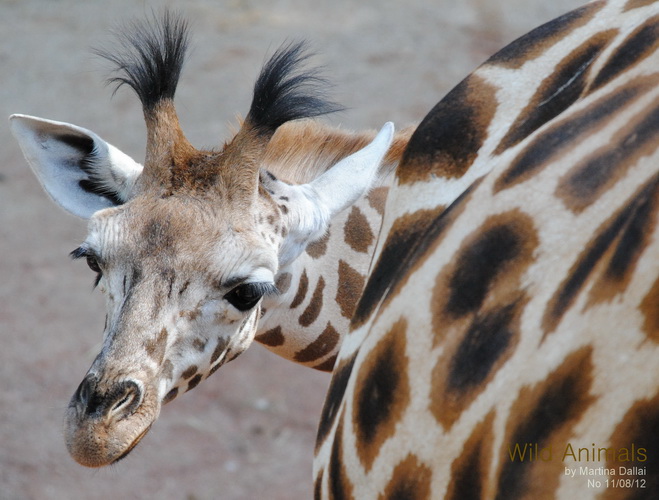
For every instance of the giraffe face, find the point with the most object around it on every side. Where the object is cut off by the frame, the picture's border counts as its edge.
(183, 286)
(183, 270)
(184, 276)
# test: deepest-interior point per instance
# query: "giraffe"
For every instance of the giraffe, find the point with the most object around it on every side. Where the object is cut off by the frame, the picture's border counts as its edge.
(506, 334)
(200, 252)
(506, 344)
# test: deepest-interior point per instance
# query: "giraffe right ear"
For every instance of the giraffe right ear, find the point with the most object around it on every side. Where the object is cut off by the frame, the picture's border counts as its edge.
(80, 171)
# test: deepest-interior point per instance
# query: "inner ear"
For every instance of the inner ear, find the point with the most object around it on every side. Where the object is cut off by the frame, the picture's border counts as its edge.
(91, 163)
(80, 171)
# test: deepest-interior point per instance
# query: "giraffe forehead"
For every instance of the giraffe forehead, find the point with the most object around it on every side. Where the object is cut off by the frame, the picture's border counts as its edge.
(194, 232)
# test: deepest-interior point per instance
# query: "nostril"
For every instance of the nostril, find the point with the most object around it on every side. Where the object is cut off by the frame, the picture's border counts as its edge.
(120, 401)
(85, 391)
(125, 399)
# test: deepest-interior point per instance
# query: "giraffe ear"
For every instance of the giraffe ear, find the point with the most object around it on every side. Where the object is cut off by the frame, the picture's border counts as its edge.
(347, 181)
(80, 171)
(309, 208)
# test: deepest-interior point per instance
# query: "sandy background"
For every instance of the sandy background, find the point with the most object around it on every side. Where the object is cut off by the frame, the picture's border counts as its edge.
(249, 431)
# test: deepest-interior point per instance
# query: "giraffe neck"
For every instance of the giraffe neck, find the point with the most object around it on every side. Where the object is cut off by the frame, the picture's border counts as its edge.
(320, 289)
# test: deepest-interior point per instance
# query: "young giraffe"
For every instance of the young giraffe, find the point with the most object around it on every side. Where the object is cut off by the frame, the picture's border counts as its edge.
(506, 344)
(198, 252)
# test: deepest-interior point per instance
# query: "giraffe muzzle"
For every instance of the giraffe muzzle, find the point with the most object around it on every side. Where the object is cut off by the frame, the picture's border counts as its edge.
(105, 421)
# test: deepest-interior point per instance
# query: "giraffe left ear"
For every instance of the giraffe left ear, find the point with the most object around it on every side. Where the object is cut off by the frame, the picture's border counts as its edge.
(347, 181)
(310, 207)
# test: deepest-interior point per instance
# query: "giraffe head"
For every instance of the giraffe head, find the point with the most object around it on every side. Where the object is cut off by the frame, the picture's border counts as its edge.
(186, 246)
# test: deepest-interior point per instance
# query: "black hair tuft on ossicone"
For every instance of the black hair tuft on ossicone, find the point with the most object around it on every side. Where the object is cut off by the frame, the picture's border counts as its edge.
(283, 93)
(149, 57)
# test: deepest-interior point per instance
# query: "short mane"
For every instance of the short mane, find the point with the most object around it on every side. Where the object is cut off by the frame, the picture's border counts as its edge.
(283, 93)
(149, 57)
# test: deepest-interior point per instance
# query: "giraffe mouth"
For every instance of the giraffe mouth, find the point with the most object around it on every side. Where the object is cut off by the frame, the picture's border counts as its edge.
(132, 445)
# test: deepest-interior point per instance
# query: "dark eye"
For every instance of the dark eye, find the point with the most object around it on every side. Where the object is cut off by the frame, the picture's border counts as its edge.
(92, 262)
(245, 296)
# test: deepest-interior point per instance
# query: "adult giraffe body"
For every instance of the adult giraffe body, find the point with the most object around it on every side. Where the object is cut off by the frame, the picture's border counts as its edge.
(507, 341)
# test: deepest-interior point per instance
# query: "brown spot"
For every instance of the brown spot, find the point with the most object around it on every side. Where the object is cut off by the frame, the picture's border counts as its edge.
(189, 372)
(303, 288)
(410, 480)
(283, 282)
(636, 48)
(351, 284)
(199, 344)
(630, 245)
(312, 311)
(545, 414)
(219, 349)
(558, 91)
(191, 315)
(340, 487)
(538, 41)
(635, 442)
(488, 267)
(377, 199)
(214, 369)
(320, 347)
(472, 359)
(382, 393)
(195, 381)
(584, 184)
(334, 398)
(357, 231)
(614, 250)
(448, 139)
(273, 337)
(155, 348)
(318, 485)
(316, 249)
(170, 396)
(411, 238)
(635, 4)
(469, 471)
(548, 146)
(650, 309)
(327, 365)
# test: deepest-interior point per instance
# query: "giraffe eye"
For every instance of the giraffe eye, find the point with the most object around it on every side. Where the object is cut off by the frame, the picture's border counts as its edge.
(246, 296)
(92, 262)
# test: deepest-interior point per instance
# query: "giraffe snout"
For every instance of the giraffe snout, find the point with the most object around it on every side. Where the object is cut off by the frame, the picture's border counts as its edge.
(107, 418)
(116, 401)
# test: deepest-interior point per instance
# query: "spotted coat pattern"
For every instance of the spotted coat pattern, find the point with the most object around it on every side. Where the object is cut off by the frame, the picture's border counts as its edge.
(513, 299)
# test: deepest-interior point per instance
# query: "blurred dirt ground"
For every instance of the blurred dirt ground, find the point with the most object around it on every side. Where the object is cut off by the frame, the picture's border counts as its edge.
(249, 432)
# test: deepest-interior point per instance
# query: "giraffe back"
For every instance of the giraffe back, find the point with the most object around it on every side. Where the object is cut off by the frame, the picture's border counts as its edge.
(506, 344)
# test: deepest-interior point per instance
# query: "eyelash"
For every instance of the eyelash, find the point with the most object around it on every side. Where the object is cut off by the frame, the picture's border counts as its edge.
(245, 296)
(92, 262)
